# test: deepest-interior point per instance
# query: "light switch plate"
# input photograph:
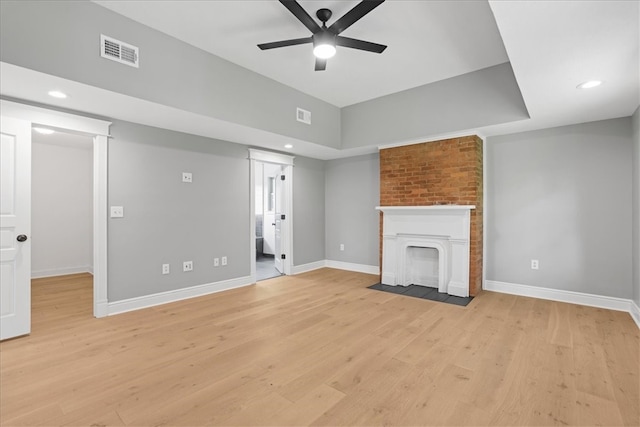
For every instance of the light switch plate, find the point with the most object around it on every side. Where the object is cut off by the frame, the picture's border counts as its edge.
(117, 211)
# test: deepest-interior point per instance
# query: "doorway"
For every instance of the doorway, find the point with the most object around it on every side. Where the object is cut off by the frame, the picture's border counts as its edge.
(61, 203)
(266, 198)
(271, 220)
(27, 116)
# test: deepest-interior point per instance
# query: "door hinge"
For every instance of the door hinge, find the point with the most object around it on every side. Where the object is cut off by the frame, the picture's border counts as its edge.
(283, 256)
(282, 216)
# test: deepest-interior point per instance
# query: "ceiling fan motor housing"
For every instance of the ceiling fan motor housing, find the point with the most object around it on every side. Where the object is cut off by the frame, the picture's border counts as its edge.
(324, 37)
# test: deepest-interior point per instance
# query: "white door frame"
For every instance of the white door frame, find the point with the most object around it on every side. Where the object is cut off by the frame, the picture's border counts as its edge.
(287, 227)
(99, 130)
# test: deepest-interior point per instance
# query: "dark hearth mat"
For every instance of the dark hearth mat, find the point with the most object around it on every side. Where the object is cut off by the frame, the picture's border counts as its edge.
(422, 292)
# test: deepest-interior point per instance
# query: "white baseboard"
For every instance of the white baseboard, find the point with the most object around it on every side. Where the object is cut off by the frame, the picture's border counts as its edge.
(61, 271)
(600, 301)
(297, 269)
(146, 301)
(360, 268)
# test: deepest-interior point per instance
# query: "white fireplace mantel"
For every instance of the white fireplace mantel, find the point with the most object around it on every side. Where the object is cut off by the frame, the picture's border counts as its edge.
(445, 228)
(414, 210)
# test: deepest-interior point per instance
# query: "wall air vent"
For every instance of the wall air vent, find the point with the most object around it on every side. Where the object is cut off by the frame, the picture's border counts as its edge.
(116, 50)
(303, 116)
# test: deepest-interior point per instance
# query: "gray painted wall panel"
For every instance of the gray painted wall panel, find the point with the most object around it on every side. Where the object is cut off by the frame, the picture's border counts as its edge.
(168, 221)
(308, 211)
(485, 97)
(352, 193)
(636, 206)
(562, 196)
(171, 72)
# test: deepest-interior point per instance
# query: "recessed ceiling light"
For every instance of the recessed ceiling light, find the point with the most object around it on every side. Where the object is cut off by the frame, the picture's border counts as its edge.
(288, 146)
(44, 131)
(57, 94)
(589, 84)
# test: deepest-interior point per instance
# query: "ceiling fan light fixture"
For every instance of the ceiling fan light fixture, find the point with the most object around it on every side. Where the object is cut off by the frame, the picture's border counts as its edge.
(324, 51)
(324, 45)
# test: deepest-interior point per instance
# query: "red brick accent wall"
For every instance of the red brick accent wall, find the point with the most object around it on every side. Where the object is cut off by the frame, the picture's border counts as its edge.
(439, 172)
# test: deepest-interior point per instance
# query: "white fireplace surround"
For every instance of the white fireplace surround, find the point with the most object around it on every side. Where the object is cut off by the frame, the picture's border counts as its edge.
(445, 228)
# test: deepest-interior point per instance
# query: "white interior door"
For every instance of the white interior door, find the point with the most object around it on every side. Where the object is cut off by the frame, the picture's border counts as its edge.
(15, 225)
(280, 210)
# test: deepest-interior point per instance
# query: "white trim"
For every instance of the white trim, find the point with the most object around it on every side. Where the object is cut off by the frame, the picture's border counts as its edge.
(270, 157)
(99, 129)
(100, 220)
(298, 269)
(57, 119)
(61, 271)
(580, 298)
(252, 217)
(635, 313)
(146, 301)
(360, 268)
(287, 244)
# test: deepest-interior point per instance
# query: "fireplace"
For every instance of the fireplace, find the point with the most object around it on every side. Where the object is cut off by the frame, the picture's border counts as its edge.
(427, 246)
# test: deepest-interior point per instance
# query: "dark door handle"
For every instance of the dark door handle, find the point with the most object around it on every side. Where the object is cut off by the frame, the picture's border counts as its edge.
(21, 238)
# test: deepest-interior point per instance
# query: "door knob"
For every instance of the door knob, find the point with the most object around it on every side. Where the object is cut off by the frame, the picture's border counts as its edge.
(21, 238)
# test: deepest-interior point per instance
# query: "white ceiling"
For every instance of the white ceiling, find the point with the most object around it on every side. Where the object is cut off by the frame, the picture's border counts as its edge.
(552, 46)
(427, 41)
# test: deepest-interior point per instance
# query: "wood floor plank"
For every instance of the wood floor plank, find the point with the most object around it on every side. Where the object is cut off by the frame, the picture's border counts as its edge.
(319, 349)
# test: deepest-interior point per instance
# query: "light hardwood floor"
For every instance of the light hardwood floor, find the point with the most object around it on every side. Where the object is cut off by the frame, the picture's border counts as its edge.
(319, 349)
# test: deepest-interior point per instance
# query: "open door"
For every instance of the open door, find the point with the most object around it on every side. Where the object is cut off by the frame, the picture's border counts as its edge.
(15, 223)
(280, 216)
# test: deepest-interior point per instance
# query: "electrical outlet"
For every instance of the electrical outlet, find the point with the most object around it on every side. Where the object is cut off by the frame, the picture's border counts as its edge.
(224, 260)
(534, 264)
(216, 262)
(187, 266)
(117, 211)
(187, 177)
(342, 246)
(166, 269)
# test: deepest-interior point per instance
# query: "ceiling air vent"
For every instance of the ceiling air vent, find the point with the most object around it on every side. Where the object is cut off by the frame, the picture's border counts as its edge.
(303, 116)
(116, 50)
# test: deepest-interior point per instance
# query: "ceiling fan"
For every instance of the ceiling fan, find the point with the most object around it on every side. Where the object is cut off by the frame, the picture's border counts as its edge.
(326, 39)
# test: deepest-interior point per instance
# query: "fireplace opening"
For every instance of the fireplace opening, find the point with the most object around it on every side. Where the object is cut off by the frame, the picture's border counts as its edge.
(422, 266)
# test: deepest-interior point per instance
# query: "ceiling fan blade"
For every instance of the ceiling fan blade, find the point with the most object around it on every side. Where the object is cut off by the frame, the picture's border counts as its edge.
(284, 43)
(360, 44)
(297, 10)
(321, 64)
(353, 15)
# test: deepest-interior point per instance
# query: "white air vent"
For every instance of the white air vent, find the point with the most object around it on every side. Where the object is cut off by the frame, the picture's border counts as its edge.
(303, 116)
(116, 50)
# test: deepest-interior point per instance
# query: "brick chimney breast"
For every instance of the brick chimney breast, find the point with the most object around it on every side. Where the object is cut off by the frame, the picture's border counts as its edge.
(438, 173)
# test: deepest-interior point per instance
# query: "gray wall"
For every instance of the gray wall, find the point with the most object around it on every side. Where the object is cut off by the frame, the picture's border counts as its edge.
(562, 196)
(61, 204)
(171, 72)
(168, 221)
(308, 211)
(481, 98)
(352, 193)
(636, 206)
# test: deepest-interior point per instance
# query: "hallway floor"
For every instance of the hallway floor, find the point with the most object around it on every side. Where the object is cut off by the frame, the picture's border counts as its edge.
(265, 268)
